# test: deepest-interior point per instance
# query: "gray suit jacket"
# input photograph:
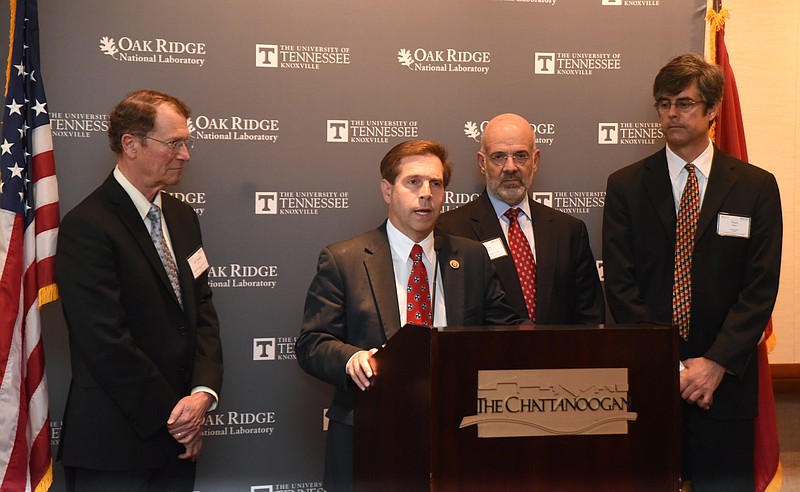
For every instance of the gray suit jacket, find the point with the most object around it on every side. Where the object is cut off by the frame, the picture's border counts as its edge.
(352, 304)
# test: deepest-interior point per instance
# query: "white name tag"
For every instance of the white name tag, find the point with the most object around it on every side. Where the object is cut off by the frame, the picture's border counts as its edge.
(495, 248)
(198, 262)
(733, 225)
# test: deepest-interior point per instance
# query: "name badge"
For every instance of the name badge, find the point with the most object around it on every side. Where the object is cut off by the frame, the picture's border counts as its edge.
(198, 262)
(495, 248)
(733, 225)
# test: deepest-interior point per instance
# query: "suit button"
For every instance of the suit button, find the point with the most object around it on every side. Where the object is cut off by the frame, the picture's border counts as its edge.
(182, 331)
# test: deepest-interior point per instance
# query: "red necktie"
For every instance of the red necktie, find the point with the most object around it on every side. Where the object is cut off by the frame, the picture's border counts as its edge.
(418, 295)
(688, 211)
(523, 261)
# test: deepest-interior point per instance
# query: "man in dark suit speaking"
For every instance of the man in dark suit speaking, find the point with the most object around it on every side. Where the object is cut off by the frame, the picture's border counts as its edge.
(559, 282)
(143, 332)
(692, 237)
(368, 287)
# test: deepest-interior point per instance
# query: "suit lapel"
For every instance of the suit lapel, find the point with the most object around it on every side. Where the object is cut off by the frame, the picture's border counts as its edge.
(485, 223)
(720, 181)
(378, 264)
(546, 245)
(659, 188)
(182, 251)
(487, 226)
(133, 221)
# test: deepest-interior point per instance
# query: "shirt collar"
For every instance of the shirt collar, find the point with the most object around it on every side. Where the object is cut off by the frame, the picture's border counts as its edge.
(500, 206)
(702, 163)
(401, 244)
(141, 203)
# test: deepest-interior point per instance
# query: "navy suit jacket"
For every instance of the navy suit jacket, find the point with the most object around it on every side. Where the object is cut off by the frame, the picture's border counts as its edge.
(134, 351)
(734, 279)
(568, 289)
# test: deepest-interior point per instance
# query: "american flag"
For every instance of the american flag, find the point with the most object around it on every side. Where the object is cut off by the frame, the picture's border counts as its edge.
(29, 220)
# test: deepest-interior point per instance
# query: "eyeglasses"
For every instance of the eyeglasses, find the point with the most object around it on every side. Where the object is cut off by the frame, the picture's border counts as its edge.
(175, 145)
(683, 104)
(500, 158)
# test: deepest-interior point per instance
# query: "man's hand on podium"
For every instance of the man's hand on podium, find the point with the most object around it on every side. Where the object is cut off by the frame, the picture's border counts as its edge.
(359, 368)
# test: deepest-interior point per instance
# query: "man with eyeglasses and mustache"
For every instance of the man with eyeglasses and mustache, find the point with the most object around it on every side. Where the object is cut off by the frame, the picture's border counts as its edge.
(692, 238)
(143, 333)
(542, 256)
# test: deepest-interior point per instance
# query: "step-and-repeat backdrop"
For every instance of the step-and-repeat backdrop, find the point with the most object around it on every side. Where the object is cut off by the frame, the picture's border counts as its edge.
(294, 103)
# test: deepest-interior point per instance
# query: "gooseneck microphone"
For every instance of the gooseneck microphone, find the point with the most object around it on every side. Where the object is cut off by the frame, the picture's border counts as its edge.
(437, 246)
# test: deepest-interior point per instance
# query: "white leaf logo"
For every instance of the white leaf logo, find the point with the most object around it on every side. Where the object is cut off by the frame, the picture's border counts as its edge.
(471, 130)
(108, 46)
(404, 57)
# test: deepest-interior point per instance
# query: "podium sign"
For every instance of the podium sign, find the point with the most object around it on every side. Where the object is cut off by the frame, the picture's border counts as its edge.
(552, 408)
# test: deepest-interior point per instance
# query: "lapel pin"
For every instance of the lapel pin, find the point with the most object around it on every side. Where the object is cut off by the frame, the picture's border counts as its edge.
(455, 265)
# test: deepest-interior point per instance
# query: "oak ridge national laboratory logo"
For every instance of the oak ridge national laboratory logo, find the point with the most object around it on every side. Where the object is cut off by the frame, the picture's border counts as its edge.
(545, 132)
(582, 64)
(158, 50)
(447, 60)
(371, 131)
(300, 202)
(455, 199)
(196, 199)
(635, 133)
(237, 423)
(300, 57)
(234, 127)
(237, 275)
(572, 202)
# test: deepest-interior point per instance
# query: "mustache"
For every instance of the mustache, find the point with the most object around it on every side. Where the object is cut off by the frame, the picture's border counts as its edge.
(511, 175)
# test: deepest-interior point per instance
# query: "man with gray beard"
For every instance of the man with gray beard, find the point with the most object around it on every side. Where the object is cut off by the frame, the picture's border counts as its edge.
(542, 256)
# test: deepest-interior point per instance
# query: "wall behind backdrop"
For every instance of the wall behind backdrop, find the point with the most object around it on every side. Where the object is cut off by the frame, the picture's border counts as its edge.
(764, 45)
(294, 104)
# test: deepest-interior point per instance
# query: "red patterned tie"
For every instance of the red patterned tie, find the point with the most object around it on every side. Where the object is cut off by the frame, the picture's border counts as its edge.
(523, 261)
(418, 295)
(688, 211)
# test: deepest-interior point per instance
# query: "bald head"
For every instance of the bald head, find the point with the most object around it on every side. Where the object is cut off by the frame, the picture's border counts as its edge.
(508, 127)
(508, 158)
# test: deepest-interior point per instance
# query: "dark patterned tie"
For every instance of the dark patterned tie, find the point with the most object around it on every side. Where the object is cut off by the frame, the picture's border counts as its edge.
(157, 235)
(688, 211)
(418, 295)
(523, 261)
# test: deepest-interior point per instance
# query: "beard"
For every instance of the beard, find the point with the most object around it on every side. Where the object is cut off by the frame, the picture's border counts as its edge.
(512, 188)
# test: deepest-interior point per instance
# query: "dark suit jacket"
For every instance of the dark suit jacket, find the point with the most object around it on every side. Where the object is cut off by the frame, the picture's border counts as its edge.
(734, 280)
(568, 288)
(352, 304)
(134, 352)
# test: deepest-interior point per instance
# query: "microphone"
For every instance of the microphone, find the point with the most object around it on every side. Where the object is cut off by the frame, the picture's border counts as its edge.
(437, 246)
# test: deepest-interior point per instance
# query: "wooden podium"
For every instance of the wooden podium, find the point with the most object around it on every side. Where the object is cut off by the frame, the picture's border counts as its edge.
(417, 428)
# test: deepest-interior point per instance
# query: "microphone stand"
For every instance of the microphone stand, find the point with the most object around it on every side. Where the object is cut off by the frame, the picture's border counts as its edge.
(437, 245)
